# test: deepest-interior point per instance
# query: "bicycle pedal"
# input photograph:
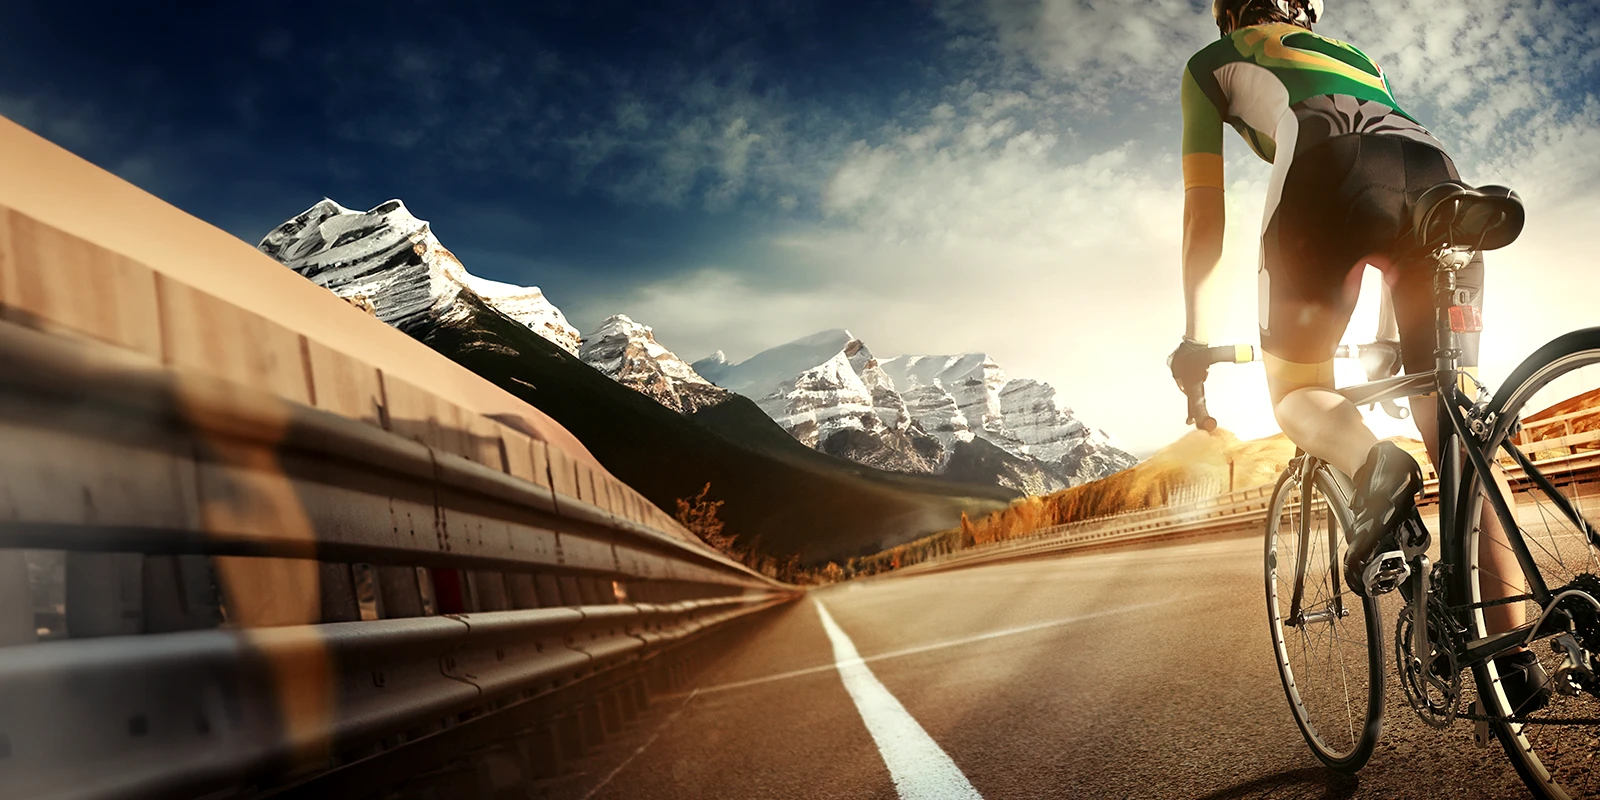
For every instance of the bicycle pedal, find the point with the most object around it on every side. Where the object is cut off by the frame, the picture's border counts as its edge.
(1386, 572)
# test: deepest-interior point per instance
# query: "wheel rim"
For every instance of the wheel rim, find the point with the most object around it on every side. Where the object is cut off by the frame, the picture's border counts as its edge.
(1558, 761)
(1326, 666)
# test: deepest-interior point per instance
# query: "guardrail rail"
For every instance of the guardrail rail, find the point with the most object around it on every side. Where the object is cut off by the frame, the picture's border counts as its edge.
(1551, 442)
(235, 556)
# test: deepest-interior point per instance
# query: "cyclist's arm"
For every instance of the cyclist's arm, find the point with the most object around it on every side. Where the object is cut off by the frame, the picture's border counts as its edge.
(1203, 214)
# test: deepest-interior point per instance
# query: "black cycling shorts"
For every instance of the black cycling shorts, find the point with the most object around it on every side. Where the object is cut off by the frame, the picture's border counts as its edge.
(1344, 201)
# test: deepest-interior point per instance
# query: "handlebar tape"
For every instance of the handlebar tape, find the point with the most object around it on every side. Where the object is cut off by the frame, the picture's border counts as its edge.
(1232, 354)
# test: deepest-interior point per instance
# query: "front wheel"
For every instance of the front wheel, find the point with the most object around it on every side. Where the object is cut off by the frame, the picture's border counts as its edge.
(1556, 397)
(1328, 645)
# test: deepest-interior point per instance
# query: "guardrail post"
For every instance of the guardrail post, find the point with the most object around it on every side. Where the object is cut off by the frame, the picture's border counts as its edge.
(104, 594)
(466, 780)
(660, 678)
(16, 600)
(541, 752)
(181, 593)
(569, 735)
(628, 700)
(592, 727)
(402, 597)
(339, 600)
(569, 590)
(610, 712)
(489, 590)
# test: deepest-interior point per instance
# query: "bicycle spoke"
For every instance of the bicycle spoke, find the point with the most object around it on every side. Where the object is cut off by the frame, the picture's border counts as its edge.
(1555, 750)
(1326, 662)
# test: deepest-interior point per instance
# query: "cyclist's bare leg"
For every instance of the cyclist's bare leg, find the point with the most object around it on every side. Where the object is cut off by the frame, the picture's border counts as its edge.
(1315, 417)
(1323, 423)
(1502, 575)
(1326, 425)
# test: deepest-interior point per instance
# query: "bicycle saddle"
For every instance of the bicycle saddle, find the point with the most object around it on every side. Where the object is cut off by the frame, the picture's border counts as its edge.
(1453, 214)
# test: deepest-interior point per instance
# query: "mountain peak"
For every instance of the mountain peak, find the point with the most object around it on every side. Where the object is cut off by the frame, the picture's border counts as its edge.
(390, 256)
(628, 353)
(762, 373)
(950, 400)
(820, 338)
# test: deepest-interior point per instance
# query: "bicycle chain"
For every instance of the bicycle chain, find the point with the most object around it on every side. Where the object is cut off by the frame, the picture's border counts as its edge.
(1527, 721)
(1584, 581)
(1488, 603)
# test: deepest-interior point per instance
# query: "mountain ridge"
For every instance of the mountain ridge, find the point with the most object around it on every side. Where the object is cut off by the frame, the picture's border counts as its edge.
(928, 409)
(916, 414)
(781, 498)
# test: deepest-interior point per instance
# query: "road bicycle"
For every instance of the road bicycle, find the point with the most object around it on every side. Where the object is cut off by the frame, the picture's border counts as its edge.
(1541, 433)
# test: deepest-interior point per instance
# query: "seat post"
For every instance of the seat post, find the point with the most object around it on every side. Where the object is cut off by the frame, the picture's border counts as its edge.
(1446, 354)
(1446, 346)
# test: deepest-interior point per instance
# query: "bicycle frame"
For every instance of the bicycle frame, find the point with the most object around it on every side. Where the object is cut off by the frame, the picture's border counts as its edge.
(1306, 467)
(1461, 430)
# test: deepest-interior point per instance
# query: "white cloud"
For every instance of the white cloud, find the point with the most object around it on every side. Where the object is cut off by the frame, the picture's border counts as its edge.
(968, 232)
(983, 223)
(1106, 48)
(1029, 209)
(1488, 69)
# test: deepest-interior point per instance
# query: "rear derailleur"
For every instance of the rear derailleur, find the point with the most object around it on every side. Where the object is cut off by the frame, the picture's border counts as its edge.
(1577, 610)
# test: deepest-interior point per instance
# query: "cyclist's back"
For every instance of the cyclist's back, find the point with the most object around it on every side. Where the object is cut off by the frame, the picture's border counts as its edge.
(1256, 76)
(1347, 162)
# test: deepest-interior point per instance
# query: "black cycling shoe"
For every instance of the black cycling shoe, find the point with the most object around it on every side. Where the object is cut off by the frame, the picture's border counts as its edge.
(1523, 679)
(1386, 489)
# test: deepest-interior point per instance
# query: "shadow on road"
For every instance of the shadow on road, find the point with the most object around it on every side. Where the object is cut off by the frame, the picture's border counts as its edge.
(1308, 781)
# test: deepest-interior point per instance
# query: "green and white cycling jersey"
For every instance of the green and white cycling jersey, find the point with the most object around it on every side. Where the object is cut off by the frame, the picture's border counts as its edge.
(1285, 89)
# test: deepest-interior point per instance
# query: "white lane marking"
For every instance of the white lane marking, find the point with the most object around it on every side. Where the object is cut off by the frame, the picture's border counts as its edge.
(642, 747)
(940, 645)
(919, 768)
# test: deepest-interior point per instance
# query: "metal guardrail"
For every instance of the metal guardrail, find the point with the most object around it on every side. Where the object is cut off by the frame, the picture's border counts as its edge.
(253, 576)
(186, 713)
(1245, 509)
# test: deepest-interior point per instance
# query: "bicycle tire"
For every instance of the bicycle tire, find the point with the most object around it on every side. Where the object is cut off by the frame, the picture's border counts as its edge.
(1345, 748)
(1535, 751)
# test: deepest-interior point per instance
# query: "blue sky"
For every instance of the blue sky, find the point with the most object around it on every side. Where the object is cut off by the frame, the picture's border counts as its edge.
(936, 176)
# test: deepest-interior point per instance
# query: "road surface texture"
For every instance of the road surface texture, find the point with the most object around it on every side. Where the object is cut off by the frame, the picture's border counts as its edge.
(1134, 673)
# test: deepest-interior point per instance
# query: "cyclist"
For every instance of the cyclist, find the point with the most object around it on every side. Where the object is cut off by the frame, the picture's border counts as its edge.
(1347, 162)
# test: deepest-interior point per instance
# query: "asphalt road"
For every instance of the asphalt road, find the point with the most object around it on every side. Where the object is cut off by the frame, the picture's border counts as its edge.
(1136, 673)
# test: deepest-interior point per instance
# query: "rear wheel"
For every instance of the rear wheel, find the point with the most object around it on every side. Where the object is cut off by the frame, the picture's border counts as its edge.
(1556, 396)
(1329, 651)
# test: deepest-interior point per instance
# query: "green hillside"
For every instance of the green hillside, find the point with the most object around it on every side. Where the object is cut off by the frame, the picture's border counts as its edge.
(781, 497)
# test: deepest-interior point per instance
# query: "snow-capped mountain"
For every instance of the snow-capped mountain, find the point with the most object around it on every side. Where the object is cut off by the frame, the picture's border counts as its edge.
(973, 380)
(527, 305)
(759, 375)
(846, 406)
(959, 415)
(628, 353)
(393, 260)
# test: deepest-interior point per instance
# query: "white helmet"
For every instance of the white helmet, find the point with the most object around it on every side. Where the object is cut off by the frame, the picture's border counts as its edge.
(1299, 12)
